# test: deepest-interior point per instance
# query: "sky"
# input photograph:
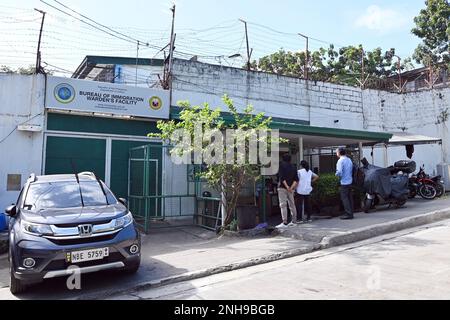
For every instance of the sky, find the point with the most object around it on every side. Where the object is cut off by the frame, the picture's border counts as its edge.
(209, 29)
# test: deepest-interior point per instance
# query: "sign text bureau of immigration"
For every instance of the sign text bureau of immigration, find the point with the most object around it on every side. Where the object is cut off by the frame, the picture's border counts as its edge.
(107, 98)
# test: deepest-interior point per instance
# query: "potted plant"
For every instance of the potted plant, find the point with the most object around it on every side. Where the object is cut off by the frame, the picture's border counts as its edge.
(325, 196)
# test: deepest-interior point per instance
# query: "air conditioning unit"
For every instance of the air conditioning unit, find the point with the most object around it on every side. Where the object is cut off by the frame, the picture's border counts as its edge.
(443, 169)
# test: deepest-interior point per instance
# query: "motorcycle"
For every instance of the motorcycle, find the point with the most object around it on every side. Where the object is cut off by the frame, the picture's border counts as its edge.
(437, 180)
(383, 187)
(423, 185)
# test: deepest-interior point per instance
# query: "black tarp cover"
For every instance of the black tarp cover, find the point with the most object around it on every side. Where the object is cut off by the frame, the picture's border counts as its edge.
(381, 181)
(377, 180)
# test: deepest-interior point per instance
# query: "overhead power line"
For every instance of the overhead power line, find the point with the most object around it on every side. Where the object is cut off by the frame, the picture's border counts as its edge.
(112, 33)
(102, 25)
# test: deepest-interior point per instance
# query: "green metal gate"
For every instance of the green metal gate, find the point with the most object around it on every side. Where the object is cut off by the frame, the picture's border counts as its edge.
(147, 198)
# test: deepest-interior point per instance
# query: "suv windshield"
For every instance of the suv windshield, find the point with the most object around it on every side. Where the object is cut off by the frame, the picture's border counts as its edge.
(66, 194)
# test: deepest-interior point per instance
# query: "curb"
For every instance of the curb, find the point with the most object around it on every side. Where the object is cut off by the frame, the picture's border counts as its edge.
(384, 228)
(206, 272)
(326, 242)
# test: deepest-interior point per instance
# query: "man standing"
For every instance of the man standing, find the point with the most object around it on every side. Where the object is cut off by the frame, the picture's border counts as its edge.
(344, 170)
(287, 182)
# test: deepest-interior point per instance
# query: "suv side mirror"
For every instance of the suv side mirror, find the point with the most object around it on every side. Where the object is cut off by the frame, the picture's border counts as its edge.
(11, 210)
(123, 201)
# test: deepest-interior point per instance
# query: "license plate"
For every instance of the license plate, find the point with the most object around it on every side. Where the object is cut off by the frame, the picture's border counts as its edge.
(87, 255)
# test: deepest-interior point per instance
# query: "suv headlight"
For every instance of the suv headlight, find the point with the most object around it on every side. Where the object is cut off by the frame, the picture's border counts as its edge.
(124, 221)
(37, 229)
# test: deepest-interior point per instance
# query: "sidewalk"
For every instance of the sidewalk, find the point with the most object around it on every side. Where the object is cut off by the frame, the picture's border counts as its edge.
(180, 254)
(175, 258)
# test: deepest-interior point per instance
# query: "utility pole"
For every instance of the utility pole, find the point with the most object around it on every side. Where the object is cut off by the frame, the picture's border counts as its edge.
(249, 53)
(137, 62)
(38, 53)
(307, 56)
(399, 68)
(362, 69)
(172, 46)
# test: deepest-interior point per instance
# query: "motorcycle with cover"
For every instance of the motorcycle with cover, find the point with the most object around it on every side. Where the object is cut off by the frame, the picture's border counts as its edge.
(382, 186)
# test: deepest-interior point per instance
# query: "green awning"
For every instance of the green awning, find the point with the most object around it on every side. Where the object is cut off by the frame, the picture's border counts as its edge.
(363, 136)
(302, 128)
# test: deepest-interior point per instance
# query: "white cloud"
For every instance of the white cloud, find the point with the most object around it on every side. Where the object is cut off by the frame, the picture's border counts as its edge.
(381, 20)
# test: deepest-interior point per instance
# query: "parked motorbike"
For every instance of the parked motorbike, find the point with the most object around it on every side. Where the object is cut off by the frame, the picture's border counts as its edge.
(423, 185)
(437, 180)
(383, 186)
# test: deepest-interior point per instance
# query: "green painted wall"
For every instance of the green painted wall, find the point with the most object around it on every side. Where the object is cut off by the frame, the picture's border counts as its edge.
(86, 154)
(66, 122)
(89, 154)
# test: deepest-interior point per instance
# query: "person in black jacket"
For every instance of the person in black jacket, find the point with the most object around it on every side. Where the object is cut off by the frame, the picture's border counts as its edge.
(287, 182)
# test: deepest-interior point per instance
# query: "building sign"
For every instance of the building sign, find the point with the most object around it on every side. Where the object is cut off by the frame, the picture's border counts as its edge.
(106, 98)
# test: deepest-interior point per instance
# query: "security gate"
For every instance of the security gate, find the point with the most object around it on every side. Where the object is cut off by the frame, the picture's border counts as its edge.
(144, 183)
(159, 189)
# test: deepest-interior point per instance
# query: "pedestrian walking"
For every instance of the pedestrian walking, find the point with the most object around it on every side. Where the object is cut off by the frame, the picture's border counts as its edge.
(344, 170)
(287, 182)
(304, 188)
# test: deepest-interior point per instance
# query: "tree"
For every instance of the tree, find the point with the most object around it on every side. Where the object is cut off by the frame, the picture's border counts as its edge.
(344, 66)
(433, 27)
(227, 177)
(21, 70)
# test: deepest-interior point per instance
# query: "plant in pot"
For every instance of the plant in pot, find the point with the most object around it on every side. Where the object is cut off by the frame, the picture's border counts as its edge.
(325, 196)
(203, 133)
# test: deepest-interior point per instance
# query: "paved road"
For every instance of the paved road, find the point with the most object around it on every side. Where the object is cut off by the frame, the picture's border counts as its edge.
(413, 264)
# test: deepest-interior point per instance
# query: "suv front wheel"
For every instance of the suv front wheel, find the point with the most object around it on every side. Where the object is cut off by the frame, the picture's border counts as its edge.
(132, 268)
(16, 286)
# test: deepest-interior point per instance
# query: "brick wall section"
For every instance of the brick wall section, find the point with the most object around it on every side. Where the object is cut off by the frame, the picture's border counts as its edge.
(322, 103)
(263, 89)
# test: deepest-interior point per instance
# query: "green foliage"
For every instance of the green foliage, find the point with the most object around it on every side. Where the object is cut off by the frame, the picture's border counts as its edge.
(327, 64)
(233, 226)
(25, 71)
(326, 189)
(22, 70)
(226, 178)
(433, 27)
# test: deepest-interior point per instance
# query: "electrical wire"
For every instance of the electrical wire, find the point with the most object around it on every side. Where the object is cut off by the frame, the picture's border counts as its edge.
(15, 128)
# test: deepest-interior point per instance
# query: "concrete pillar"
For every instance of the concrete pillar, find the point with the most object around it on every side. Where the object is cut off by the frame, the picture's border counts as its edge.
(360, 147)
(300, 150)
(373, 155)
(385, 154)
(223, 210)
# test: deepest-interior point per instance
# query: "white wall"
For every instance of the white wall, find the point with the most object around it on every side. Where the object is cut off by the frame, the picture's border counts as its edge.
(22, 97)
(21, 101)
(416, 113)
(175, 183)
(278, 96)
(322, 104)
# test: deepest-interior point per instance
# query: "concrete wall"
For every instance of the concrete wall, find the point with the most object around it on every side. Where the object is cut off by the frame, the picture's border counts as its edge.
(21, 102)
(22, 98)
(417, 113)
(278, 96)
(322, 104)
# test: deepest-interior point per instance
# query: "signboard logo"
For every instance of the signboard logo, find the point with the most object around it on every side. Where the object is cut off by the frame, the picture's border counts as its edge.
(155, 103)
(64, 93)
